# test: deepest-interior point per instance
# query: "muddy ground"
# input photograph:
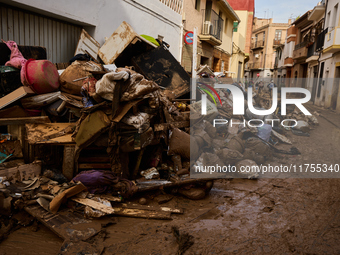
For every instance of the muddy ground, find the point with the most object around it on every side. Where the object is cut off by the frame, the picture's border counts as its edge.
(264, 216)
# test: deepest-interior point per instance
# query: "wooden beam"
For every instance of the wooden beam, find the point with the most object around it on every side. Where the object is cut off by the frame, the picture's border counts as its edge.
(24, 120)
(137, 213)
(151, 208)
(68, 225)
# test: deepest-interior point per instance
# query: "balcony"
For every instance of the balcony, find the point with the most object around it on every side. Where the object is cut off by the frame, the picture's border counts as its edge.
(332, 40)
(257, 45)
(256, 65)
(300, 51)
(320, 40)
(288, 62)
(278, 42)
(312, 55)
(212, 28)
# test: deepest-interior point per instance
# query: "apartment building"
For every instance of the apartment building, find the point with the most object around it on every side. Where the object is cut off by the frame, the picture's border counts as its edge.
(315, 46)
(242, 36)
(215, 23)
(327, 91)
(284, 62)
(303, 41)
(266, 36)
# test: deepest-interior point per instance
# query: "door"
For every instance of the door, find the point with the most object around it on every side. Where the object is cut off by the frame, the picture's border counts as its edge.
(60, 38)
(239, 70)
(315, 82)
(335, 89)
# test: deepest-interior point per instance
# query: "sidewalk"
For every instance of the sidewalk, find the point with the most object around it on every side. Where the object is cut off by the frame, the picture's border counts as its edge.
(327, 114)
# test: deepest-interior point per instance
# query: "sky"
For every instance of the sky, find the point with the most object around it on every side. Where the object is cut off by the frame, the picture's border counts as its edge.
(282, 10)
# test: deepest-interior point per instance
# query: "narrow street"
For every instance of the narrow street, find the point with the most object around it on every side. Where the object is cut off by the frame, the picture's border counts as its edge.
(264, 216)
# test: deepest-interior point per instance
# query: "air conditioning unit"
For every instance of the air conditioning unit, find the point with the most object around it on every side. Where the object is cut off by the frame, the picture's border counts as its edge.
(206, 27)
(257, 55)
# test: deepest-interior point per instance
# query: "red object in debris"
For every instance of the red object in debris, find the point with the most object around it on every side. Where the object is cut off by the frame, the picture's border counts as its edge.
(40, 75)
(258, 74)
(33, 112)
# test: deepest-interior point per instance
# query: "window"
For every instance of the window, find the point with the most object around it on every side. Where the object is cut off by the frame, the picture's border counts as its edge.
(264, 36)
(329, 19)
(226, 25)
(335, 14)
(197, 5)
(278, 34)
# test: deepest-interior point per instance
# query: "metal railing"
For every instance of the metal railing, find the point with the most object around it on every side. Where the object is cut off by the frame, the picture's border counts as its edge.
(213, 25)
(300, 45)
(277, 42)
(257, 44)
(320, 40)
(255, 65)
(311, 51)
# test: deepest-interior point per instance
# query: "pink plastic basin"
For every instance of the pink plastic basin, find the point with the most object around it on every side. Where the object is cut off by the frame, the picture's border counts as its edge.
(41, 75)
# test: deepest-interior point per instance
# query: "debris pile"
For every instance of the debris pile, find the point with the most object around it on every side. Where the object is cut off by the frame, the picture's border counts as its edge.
(89, 137)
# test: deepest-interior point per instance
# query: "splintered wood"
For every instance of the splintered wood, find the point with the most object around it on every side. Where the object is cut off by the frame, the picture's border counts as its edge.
(138, 213)
(22, 172)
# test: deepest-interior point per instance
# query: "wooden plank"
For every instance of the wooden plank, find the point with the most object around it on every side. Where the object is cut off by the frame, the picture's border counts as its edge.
(24, 120)
(40, 100)
(137, 213)
(118, 41)
(36, 133)
(23, 172)
(151, 208)
(14, 96)
(66, 224)
(88, 43)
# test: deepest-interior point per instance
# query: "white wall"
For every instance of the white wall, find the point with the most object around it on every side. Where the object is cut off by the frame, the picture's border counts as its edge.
(102, 17)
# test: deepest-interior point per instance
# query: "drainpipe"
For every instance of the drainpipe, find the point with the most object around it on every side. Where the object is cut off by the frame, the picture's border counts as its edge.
(232, 48)
(181, 44)
(181, 37)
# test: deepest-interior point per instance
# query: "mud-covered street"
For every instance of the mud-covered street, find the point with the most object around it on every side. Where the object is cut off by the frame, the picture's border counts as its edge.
(239, 216)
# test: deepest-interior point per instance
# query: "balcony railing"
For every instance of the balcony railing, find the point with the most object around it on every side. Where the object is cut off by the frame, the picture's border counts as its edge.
(300, 45)
(321, 39)
(311, 51)
(175, 5)
(257, 44)
(212, 26)
(277, 42)
(255, 65)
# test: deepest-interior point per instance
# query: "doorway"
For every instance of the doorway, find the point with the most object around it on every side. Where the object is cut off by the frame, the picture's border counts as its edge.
(239, 70)
(315, 82)
(335, 89)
